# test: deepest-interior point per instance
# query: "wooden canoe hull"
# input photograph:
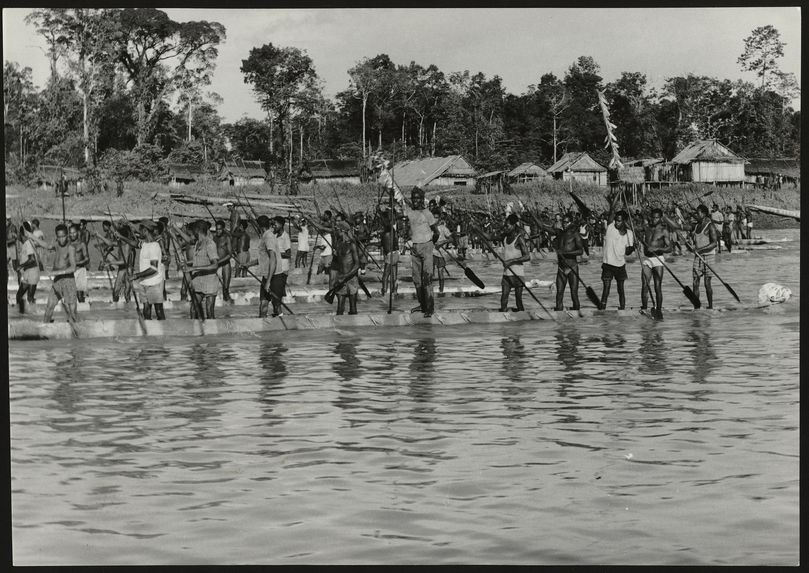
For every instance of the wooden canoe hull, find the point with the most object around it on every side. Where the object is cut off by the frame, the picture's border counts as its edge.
(127, 328)
(776, 211)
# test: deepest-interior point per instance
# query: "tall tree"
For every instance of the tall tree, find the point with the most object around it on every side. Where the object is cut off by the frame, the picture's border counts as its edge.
(582, 117)
(762, 49)
(283, 81)
(371, 77)
(157, 53)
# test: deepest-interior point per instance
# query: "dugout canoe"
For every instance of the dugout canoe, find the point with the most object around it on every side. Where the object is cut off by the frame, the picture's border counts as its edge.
(776, 211)
(131, 328)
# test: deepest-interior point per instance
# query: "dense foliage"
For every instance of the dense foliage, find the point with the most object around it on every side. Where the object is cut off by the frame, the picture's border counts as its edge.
(126, 96)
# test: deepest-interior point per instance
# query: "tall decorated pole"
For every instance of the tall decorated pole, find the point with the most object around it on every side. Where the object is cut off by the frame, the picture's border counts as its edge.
(610, 141)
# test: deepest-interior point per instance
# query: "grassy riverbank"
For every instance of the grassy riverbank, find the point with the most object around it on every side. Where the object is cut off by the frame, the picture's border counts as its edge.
(150, 199)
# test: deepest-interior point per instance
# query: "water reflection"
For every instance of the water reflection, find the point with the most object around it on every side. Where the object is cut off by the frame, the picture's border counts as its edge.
(568, 341)
(205, 388)
(271, 359)
(652, 349)
(699, 337)
(515, 388)
(70, 373)
(348, 367)
(422, 378)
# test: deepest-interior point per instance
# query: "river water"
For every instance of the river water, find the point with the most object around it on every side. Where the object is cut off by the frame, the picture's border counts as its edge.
(599, 441)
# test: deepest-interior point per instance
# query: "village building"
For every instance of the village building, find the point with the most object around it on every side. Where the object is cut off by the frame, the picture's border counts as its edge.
(49, 175)
(579, 166)
(708, 161)
(452, 170)
(181, 174)
(316, 171)
(525, 172)
(237, 174)
(492, 181)
(765, 172)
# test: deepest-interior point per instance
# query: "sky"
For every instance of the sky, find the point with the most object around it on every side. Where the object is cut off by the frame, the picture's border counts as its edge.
(518, 44)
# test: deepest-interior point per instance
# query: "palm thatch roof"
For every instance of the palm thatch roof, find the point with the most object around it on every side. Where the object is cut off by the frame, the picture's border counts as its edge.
(420, 172)
(527, 168)
(706, 150)
(187, 171)
(770, 166)
(576, 161)
(246, 169)
(330, 168)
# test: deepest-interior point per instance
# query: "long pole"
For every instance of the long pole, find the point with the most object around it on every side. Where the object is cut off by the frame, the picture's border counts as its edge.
(394, 238)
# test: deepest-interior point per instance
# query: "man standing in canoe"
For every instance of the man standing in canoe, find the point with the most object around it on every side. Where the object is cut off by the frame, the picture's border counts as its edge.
(705, 239)
(345, 266)
(424, 235)
(267, 262)
(149, 280)
(283, 253)
(28, 267)
(203, 267)
(444, 237)
(390, 251)
(618, 243)
(223, 248)
(64, 284)
(82, 261)
(515, 253)
(302, 253)
(568, 245)
(655, 244)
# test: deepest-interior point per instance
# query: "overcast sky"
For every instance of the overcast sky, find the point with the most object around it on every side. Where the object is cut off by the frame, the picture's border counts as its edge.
(518, 44)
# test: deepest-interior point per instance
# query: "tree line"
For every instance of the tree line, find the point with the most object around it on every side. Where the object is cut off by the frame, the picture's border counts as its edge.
(127, 94)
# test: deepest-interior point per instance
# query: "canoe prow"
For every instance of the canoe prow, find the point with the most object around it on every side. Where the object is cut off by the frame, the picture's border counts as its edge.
(776, 211)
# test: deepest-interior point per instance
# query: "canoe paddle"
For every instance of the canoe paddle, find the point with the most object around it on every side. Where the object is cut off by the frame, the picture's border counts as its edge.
(591, 294)
(183, 266)
(470, 274)
(687, 290)
(692, 248)
(519, 278)
(640, 254)
(128, 278)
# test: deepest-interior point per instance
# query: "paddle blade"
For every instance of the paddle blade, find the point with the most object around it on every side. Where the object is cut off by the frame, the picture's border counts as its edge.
(470, 274)
(689, 294)
(732, 292)
(583, 209)
(364, 288)
(591, 294)
(329, 296)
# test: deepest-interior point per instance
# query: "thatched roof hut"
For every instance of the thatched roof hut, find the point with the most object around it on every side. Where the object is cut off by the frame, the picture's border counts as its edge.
(579, 166)
(709, 161)
(433, 172)
(527, 171)
(184, 173)
(243, 173)
(773, 167)
(330, 170)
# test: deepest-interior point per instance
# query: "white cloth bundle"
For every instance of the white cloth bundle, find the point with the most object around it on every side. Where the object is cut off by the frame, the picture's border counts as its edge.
(772, 293)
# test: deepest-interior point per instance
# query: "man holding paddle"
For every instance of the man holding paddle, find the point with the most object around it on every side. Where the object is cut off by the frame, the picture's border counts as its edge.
(515, 253)
(569, 246)
(345, 265)
(705, 238)
(424, 234)
(655, 244)
(618, 243)
(64, 284)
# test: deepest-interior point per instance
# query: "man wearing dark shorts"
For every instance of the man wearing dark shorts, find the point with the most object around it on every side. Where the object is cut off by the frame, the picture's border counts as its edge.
(569, 245)
(618, 242)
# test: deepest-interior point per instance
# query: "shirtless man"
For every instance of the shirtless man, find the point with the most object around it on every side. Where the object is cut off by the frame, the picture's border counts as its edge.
(390, 251)
(120, 257)
(424, 234)
(569, 245)
(705, 239)
(655, 244)
(223, 248)
(515, 253)
(444, 237)
(82, 260)
(64, 284)
(11, 245)
(345, 265)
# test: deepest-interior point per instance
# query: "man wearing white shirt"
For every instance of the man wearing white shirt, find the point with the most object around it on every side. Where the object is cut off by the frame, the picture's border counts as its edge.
(618, 242)
(148, 281)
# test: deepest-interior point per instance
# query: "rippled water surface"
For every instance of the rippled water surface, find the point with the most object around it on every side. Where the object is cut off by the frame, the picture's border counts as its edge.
(599, 441)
